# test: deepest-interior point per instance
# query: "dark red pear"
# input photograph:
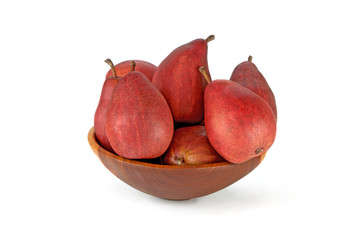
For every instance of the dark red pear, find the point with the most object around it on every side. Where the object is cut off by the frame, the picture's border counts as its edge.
(178, 79)
(190, 146)
(101, 110)
(146, 68)
(139, 123)
(239, 123)
(249, 76)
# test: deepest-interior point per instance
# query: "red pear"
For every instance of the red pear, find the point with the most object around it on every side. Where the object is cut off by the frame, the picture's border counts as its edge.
(178, 79)
(141, 66)
(139, 124)
(239, 123)
(101, 110)
(248, 75)
(190, 145)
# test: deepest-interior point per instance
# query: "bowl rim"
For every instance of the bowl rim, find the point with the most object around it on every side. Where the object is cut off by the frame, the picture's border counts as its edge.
(96, 147)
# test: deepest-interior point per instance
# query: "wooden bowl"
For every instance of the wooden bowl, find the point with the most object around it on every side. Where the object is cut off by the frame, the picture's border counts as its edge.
(175, 182)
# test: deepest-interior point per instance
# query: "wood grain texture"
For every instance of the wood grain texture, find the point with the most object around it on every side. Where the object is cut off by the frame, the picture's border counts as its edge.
(170, 181)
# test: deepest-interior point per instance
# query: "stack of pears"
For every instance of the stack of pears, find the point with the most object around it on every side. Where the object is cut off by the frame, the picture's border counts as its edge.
(176, 114)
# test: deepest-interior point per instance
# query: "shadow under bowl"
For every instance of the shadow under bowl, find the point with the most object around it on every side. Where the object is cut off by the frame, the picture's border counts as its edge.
(175, 182)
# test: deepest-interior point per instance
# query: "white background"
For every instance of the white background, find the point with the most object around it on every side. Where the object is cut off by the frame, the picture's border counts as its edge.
(52, 71)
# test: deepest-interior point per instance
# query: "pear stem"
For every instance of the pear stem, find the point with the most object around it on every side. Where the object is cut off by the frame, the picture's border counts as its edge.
(210, 38)
(132, 66)
(250, 58)
(259, 150)
(205, 74)
(110, 63)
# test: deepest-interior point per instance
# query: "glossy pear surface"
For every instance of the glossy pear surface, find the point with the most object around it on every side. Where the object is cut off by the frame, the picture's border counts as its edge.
(180, 82)
(190, 145)
(101, 110)
(139, 122)
(248, 75)
(240, 125)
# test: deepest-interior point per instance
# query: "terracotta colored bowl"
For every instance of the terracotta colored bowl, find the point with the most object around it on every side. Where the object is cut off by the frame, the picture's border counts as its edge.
(172, 181)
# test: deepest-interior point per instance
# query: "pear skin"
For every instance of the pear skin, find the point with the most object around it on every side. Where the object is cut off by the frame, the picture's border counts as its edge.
(101, 110)
(139, 124)
(239, 123)
(178, 79)
(122, 68)
(190, 146)
(249, 76)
